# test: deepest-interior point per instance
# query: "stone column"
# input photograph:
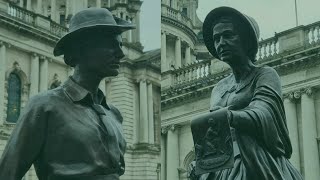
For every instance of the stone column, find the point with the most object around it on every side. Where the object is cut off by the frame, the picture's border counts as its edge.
(3, 66)
(292, 124)
(85, 4)
(109, 3)
(73, 6)
(163, 154)
(143, 123)
(44, 75)
(172, 153)
(34, 76)
(28, 5)
(309, 134)
(150, 112)
(39, 7)
(188, 55)
(53, 10)
(21, 3)
(68, 12)
(128, 33)
(138, 26)
(163, 52)
(178, 53)
(133, 33)
(98, 3)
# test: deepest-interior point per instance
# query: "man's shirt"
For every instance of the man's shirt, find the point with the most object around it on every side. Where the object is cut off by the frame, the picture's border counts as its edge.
(66, 135)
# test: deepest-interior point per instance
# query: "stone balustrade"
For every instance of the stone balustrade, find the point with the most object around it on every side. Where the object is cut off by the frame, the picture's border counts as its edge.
(313, 33)
(175, 15)
(21, 13)
(281, 49)
(192, 72)
(294, 39)
(36, 20)
(57, 29)
(268, 48)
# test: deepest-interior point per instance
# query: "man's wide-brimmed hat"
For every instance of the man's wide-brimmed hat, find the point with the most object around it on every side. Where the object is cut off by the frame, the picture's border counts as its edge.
(91, 18)
(248, 23)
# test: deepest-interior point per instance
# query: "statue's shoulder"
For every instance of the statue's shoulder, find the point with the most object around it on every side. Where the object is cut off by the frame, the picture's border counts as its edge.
(224, 84)
(267, 70)
(116, 112)
(47, 98)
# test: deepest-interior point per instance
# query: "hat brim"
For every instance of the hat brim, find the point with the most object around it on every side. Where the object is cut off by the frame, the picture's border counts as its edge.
(248, 22)
(121, 26)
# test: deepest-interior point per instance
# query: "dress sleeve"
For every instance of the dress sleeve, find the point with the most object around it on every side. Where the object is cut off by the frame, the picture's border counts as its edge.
(264, 118)
(25, 142)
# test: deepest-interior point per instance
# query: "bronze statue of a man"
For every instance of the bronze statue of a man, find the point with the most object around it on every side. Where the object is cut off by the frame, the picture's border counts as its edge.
(72, 132)
(249, 100)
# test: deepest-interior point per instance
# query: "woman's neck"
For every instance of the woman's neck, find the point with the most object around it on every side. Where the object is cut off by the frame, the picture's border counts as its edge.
(241, 70)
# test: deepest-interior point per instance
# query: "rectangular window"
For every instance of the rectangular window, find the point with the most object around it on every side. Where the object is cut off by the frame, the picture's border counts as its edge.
(184, 11)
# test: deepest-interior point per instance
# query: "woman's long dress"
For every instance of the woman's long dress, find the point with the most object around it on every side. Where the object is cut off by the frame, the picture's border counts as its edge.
(262, 146)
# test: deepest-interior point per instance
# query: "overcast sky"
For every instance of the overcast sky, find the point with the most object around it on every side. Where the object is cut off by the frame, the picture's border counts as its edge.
(150, 28)
(271, 15)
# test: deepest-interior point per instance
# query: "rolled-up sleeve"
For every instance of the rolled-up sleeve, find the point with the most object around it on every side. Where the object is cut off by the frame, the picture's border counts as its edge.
(25, 142)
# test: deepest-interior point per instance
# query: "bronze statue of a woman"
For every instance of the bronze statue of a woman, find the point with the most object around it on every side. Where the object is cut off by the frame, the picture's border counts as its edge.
(250, 100)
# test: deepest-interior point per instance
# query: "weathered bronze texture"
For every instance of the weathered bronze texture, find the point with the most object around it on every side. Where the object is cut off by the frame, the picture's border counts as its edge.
(212, 141)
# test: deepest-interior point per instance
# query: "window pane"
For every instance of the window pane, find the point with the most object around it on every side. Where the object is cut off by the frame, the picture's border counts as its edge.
(14, 98)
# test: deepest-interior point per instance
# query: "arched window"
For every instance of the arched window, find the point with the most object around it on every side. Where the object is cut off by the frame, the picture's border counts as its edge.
(14, 98)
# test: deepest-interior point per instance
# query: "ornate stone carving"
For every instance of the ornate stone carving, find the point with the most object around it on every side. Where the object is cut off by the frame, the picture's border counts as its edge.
(297, 94)
(164, 130)
(173, 127)
(308, 91)
(55, 82)
(35, 55)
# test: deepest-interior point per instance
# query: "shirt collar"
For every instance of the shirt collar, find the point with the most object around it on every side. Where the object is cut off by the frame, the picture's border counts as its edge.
(228, 84)
(78, 93)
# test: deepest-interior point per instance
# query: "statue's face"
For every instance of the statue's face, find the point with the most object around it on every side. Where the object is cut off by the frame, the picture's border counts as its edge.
(227, 42)
(102, 55)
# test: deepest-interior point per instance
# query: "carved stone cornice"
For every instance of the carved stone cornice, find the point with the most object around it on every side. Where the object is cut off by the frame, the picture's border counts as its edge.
(143, 148)
(296, 94)
(180, 26)
(5, 44)
(141, 80)
(308, 91)
(172, 127)
(165, 129)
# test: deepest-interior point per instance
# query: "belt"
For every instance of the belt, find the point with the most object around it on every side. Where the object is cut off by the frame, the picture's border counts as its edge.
(93, 177)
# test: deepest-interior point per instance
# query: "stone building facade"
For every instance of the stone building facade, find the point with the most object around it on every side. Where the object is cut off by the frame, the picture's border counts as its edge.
(187, 81)
(29, 30)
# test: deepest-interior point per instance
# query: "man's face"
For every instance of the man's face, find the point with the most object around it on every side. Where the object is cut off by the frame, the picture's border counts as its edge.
(102, 54)
(227, 42)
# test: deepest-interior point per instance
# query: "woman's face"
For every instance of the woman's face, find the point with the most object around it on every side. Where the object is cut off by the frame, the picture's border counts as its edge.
(101, 54)
(227, 43)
